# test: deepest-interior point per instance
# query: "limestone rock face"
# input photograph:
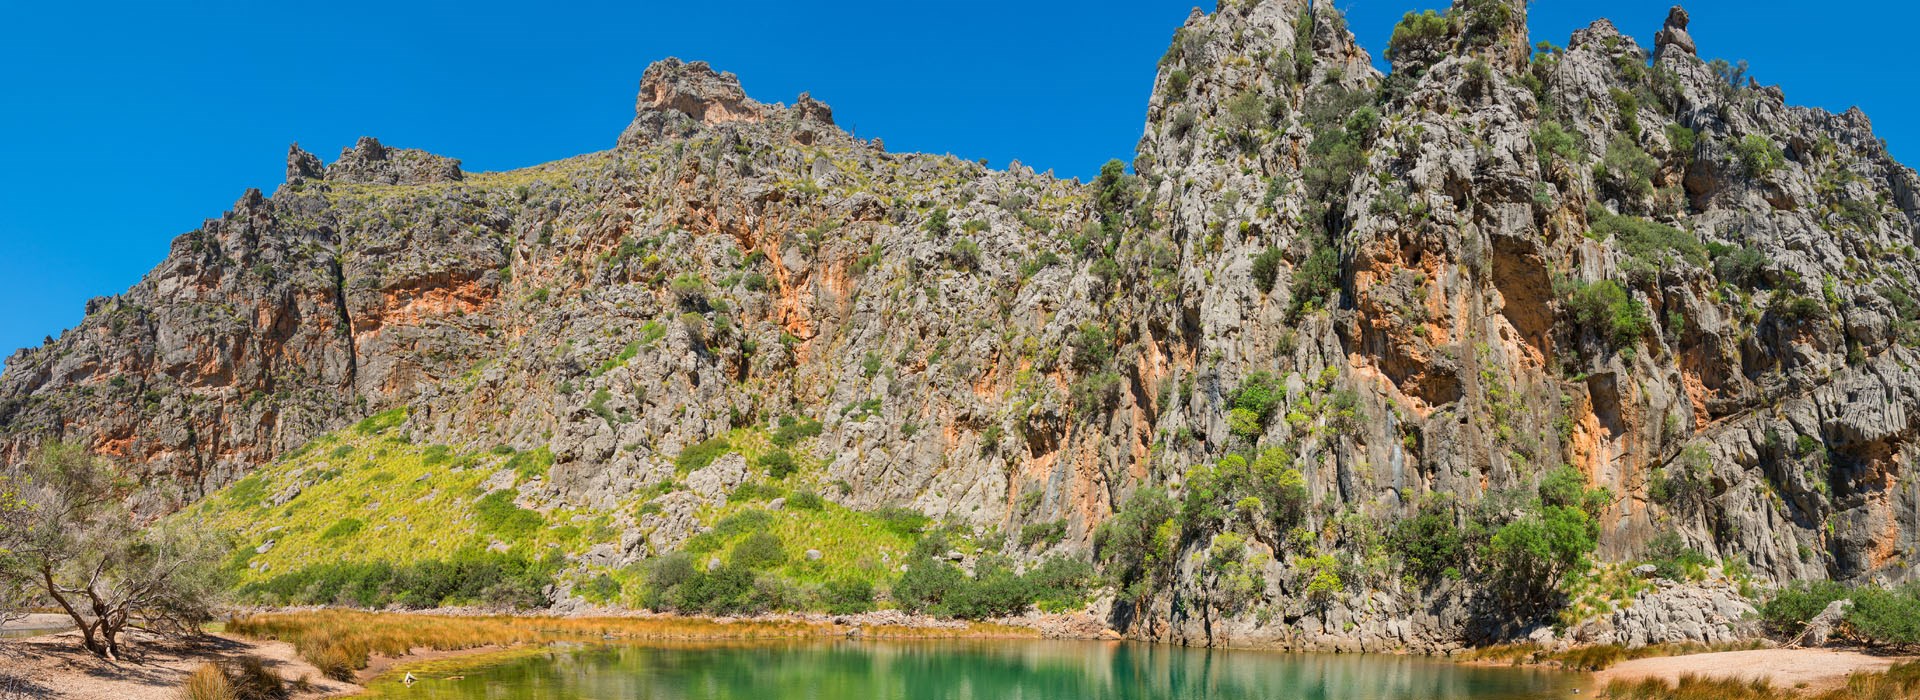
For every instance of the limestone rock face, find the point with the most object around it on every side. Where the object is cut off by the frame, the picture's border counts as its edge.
(1419, 292)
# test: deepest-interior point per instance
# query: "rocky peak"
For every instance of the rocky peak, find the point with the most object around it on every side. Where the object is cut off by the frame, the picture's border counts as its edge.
(696, 90)
(1674, 34)
(370, 163)
(302, 165)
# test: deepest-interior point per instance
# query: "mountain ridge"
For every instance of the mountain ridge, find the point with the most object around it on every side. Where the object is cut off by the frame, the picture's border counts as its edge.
(1415, 292)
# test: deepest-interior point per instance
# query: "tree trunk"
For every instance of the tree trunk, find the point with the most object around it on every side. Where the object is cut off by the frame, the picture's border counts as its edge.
(88, 636)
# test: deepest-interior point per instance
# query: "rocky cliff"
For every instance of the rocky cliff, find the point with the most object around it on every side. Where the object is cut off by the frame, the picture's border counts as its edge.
(1417, 293)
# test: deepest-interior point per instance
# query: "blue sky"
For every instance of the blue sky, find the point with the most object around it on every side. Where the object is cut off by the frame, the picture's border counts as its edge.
(129, 123)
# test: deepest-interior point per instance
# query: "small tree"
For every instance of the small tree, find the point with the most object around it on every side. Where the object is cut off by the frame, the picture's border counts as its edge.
(70, 539)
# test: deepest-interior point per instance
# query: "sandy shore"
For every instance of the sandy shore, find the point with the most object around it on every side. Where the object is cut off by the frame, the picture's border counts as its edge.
(1804, 669)
(54, 666)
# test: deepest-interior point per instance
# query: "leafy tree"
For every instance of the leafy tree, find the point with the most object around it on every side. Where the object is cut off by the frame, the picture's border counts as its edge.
(68, 537)
(1532, 554)
(1419, 38)
(1136, 544)
(1430, 541)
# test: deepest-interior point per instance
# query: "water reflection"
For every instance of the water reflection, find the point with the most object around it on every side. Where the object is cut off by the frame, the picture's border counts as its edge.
(980, 670)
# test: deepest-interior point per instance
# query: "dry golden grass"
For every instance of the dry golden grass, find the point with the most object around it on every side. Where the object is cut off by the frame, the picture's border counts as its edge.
(1598, 656)
(341, 642)
(208, 682)
(1902, 682)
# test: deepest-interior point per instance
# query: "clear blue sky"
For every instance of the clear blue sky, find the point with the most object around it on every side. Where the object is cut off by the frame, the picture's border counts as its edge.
(129, 123)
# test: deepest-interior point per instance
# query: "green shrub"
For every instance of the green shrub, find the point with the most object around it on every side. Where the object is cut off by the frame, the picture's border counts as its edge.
(794, 429)
(663, 576)
(1060, 584)
(1532, 554)
(1136, 544)
(847, 595)
(1789, 610)
(1889, 617)
(1430, 541)
(1673, 559)
(601, 588)
(1046, 534)
(806, 500)
(724, 591)
(937, 223)
(1758, 155)
(1649, 244)
(905, 522)
(471, 576)
(699, 455)
(1266, 268)
(778, 463)
(1606, 308)
(1315, 281)
(1092, 346)
(965, 254)
(1627, 169)
(1553, 142)
(1740, 266)
(927, 585)
(760, 550)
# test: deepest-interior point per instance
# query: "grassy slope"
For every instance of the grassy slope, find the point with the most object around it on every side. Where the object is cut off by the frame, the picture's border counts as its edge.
(367, 494)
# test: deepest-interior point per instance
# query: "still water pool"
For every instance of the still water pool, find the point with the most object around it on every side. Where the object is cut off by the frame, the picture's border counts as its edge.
(974, 670)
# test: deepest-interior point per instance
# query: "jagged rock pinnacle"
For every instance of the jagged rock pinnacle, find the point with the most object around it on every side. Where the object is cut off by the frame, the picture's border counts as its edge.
(1675, 34)
(302, 165)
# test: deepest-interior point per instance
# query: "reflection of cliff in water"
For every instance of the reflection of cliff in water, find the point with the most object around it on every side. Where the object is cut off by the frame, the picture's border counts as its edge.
(1027, 670)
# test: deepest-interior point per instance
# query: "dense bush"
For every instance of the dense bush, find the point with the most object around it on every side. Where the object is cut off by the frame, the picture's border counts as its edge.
(1136, 544)
(1553, 142)
(847, 596)
(1430, 541)
(1626, 169)
(471, 576)
(995, 589)
(1740, 266)
(699, 455)
(905, 522)
(1672, 558)
(1530, 555)
(1890, 617)
(1758, 155)
(1650, 244)
(1266, 269)
(778, 463)
(794, 429)
(1253, 404)
(759, 550)
(806, 500)
(1046, 533)
(1316, 279)
(1609, 310)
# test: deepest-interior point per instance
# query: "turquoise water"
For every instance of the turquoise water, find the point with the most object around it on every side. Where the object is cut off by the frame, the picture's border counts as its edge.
(979, 670)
